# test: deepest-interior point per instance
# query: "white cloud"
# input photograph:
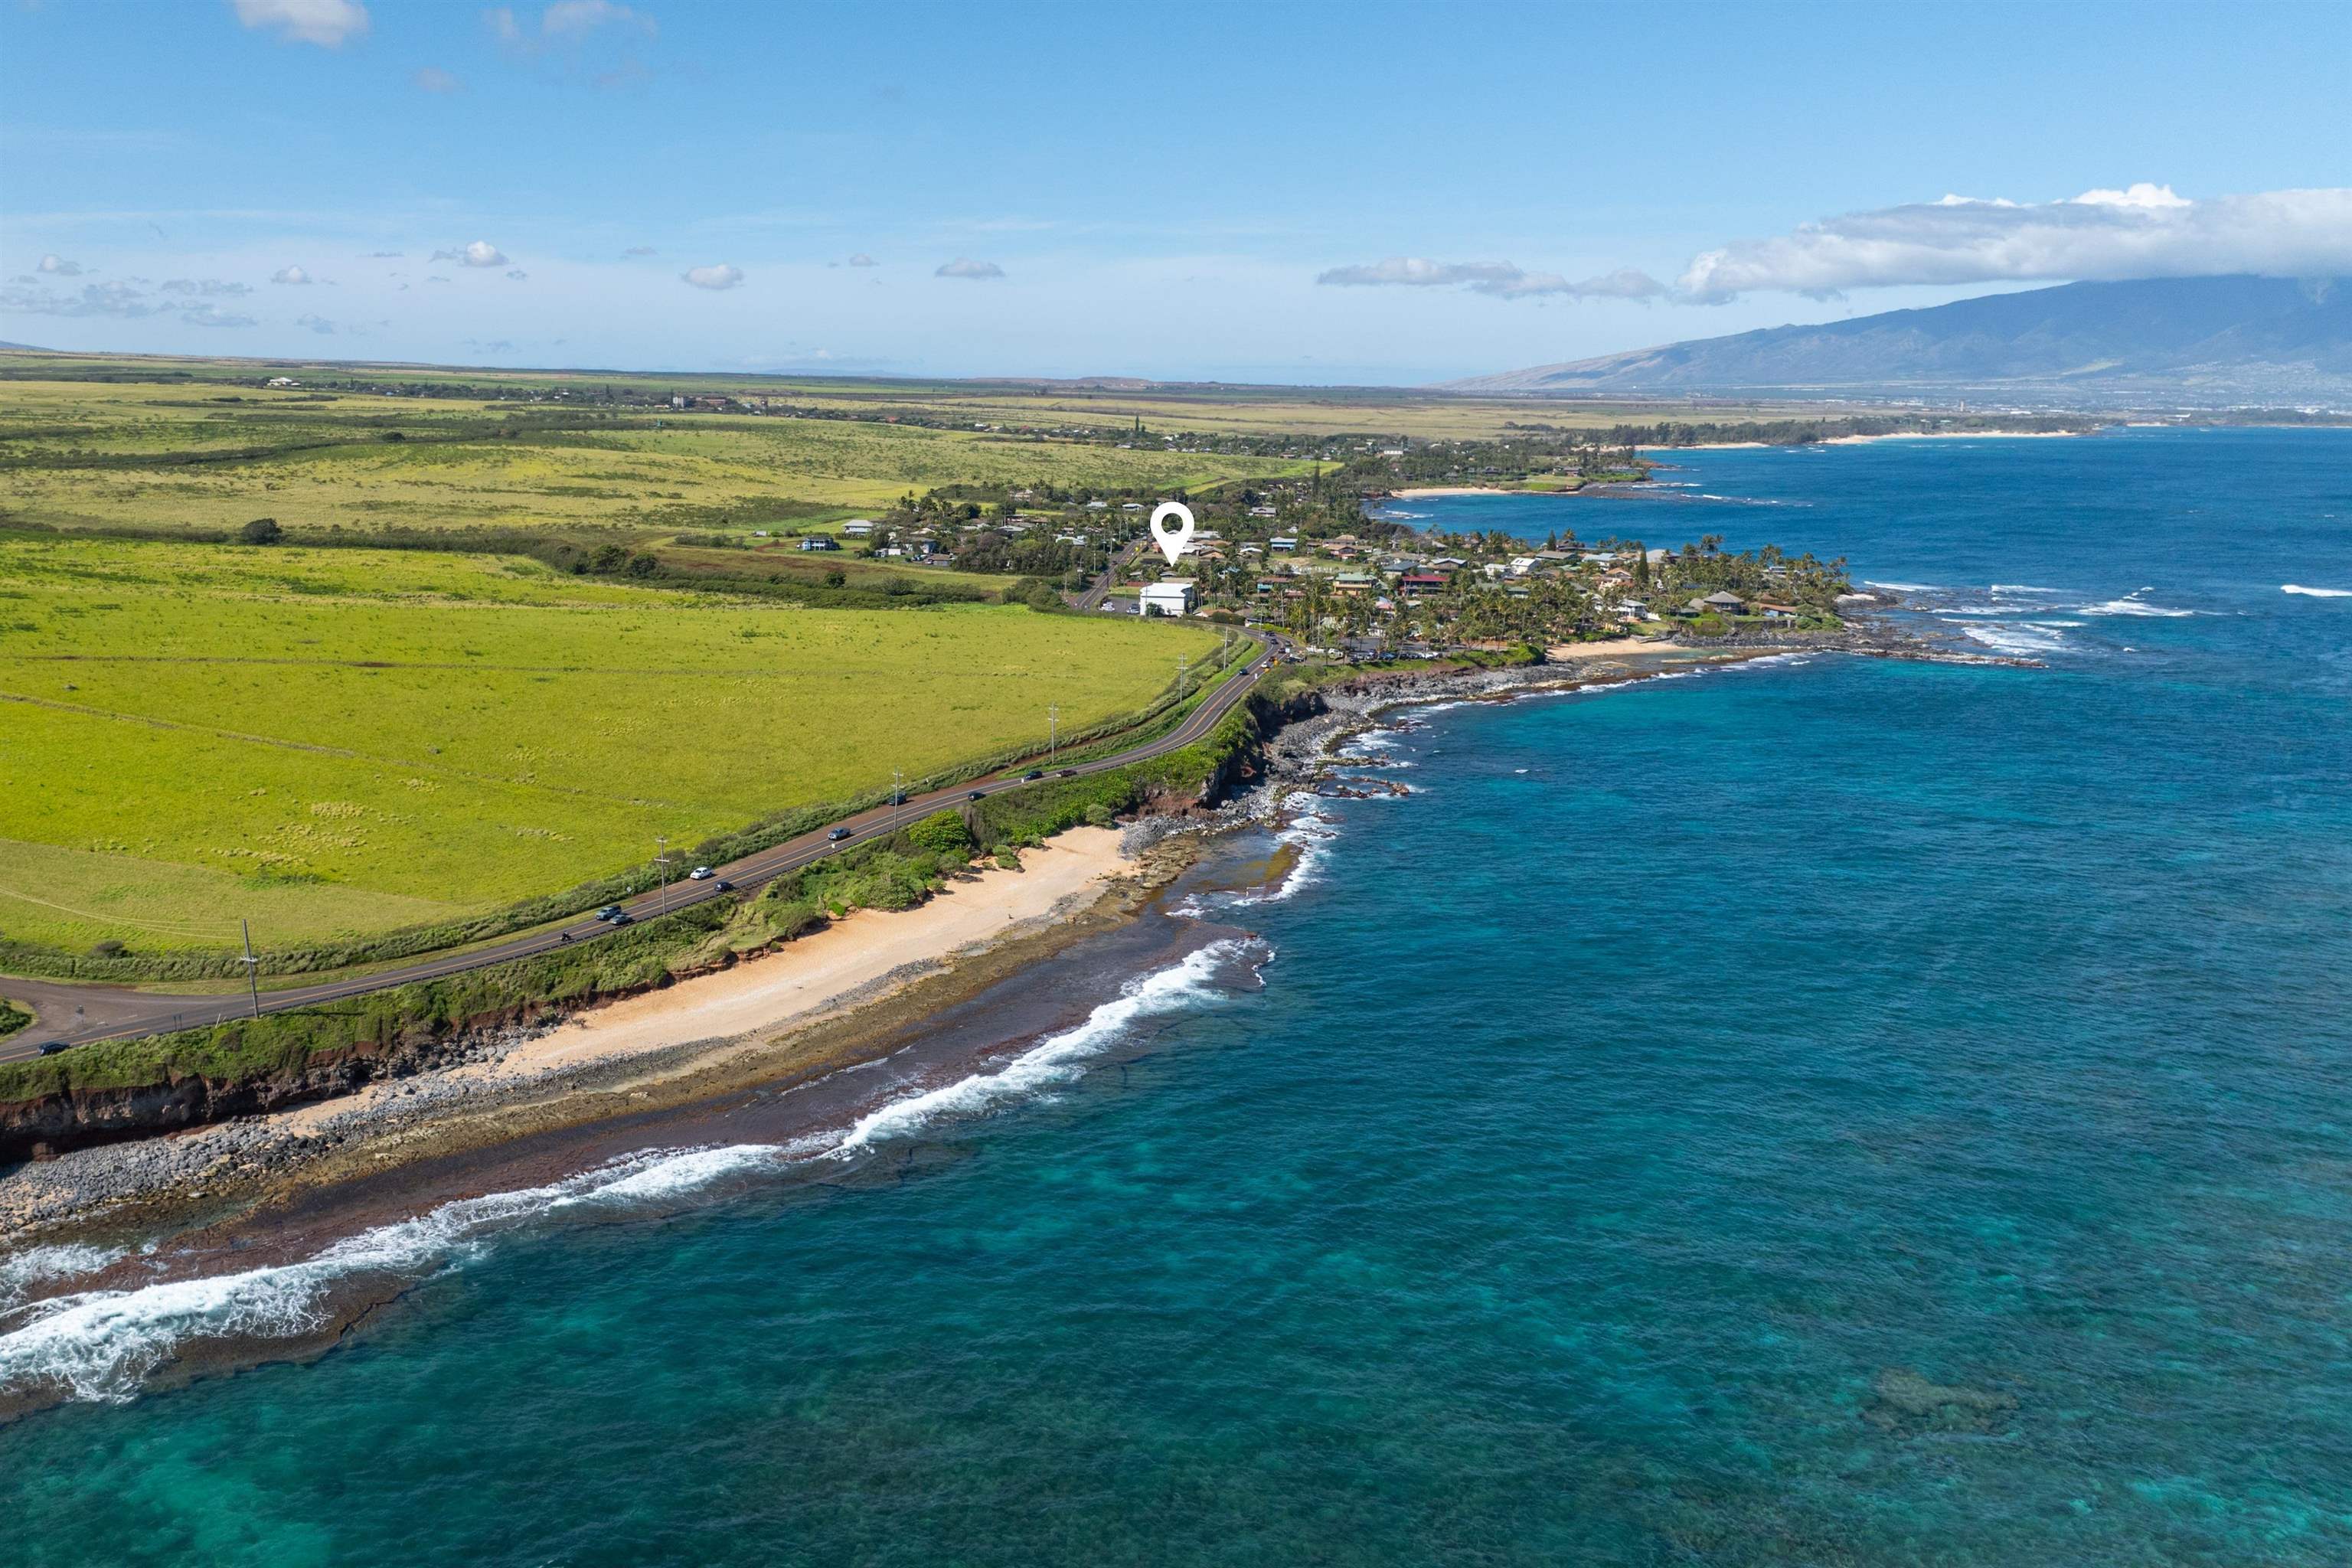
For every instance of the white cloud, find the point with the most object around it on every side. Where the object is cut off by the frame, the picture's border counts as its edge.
(213, 316)
(571, 18)
(480, 253)
(565, 22)
(205, 288)
(326, 23)
(289, 274)
(2141, 231)
(119, 300)
(433, 78)
(1504, 280)
(862, 260)
(58, 266)
(316, 324)
(717, 275)
(965, 267)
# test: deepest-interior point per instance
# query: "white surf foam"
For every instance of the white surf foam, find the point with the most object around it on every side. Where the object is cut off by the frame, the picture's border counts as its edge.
(2023, 589)
(1056, 1059)
(2131, 603)
(2316, 593)
(20, 1271)
(1903, 587)
(2021, 638)
(101, 1345)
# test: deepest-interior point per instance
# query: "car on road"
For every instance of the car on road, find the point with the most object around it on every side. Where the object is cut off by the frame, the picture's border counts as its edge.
(623, 918)
(54, 1047)
(1069, 773)
(975, 794)
(700, 874)
(609, 911)
(1033, 773)
(899, 798)
(838, 834)
(724, 886)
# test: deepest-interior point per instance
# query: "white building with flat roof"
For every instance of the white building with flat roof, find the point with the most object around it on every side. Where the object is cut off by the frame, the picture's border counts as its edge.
(1173, 599)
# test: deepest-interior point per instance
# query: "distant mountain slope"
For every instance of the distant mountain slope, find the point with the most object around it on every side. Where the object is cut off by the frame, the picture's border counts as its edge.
(2218, 337)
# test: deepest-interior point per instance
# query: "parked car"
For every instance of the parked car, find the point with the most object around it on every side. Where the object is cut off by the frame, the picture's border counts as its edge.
(608, 912)
(838, 834)
(700, 874)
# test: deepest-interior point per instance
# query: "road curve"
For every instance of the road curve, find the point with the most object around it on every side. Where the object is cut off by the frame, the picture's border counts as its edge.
(106, 1012)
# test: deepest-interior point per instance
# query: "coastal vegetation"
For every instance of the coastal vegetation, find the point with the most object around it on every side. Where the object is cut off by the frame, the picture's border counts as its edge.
(244, 1057)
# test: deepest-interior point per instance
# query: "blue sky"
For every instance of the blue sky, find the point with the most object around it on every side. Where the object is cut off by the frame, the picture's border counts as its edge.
(1358, 192)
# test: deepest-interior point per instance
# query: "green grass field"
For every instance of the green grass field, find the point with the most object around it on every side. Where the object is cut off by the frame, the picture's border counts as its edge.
(83, 455)
(333, 742)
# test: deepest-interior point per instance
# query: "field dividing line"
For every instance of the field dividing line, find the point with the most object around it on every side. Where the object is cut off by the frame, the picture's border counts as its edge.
(106, 918)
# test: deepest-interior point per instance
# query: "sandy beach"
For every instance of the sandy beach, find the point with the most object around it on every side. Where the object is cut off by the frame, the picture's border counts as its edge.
(804, 1008)
(1611, 647)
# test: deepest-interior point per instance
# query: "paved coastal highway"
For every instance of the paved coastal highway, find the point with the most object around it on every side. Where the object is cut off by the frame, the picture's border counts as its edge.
(73, 1015)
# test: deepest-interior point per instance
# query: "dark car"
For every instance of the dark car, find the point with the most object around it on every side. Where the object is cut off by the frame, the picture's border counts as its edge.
(1069, 773)
(54, 1047)
(1034, 774)
(899, 798)
(976, 794)
(723, 885)
(623, 918)
(838, 834)
(608, 912)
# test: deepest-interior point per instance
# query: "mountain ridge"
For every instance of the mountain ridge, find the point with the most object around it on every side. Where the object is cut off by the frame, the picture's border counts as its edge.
(2223, 337)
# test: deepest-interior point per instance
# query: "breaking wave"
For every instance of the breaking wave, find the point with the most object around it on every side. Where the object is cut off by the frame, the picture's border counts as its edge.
(2023, 639)
(102, 1345)
(20, 1271)
(1056, 1059)
(2131, 603)
(2316, 593)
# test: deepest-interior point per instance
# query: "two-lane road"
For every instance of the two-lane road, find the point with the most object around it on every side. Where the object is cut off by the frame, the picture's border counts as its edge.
(73, 1015)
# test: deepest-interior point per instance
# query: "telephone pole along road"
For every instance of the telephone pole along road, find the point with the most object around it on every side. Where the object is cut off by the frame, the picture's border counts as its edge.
(76, 1014)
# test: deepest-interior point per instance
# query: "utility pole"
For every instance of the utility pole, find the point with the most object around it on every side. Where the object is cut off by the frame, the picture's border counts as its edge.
(252, 968)
(897, 796)
(662, 860)
(1053, 731)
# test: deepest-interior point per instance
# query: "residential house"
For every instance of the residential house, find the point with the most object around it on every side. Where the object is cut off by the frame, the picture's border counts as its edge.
(1173, 597)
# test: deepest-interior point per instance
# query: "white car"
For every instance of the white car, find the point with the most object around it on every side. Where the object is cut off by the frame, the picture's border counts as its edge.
(700, 874)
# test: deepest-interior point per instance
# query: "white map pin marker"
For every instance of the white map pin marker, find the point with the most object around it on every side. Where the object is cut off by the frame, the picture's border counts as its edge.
(1172, 541)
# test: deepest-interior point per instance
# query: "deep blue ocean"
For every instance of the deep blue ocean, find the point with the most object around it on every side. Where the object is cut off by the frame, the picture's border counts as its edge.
(1823, 1111)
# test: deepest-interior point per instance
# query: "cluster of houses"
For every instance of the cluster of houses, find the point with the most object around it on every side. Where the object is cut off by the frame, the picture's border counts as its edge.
(1366, 585)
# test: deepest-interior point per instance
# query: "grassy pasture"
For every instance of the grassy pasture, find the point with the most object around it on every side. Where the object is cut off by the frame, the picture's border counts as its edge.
(81, 454)
(1162, 406)
(339, 742)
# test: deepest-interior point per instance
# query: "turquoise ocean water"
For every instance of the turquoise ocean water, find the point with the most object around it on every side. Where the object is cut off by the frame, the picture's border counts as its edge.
(1824, 1111)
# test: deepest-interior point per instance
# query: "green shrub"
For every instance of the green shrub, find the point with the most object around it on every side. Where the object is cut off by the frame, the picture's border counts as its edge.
(943, 834)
